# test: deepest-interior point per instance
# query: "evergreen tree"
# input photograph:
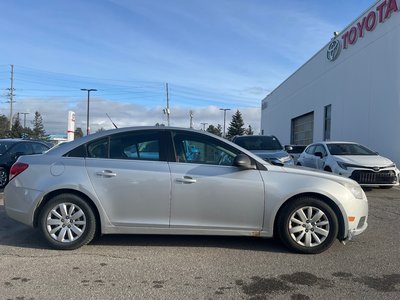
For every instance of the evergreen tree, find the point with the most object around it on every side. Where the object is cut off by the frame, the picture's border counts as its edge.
(4, 124)
(16, 130)
(249, 130)
(78, 133)
(215, 130)
(38, 128)
(236, 125)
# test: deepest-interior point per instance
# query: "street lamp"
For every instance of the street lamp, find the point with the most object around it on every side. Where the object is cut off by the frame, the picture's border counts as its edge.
(224, 109)
(87, 114)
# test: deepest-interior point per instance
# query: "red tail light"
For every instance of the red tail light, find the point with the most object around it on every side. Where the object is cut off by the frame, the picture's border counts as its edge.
(17, 168)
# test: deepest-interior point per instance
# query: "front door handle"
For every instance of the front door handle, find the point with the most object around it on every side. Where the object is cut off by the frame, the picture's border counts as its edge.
(106, 173)
(186, 179)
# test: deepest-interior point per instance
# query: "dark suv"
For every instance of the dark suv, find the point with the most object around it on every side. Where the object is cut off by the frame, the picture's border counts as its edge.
(11, 149)
(267, 147)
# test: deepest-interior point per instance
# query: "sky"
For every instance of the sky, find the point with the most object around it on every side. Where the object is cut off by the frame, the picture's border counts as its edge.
(213, 54)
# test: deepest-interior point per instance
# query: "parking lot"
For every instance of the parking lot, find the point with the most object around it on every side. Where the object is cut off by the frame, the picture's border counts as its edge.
(196, 267)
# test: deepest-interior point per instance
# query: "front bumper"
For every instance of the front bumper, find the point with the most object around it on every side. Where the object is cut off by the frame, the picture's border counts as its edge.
(369, 178)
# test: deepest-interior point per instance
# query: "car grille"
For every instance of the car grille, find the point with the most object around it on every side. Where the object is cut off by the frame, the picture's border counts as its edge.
(370, 177)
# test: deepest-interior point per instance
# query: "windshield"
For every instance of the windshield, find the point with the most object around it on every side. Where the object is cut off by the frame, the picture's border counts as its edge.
(4, 146)
(259, 143)
(349, 149)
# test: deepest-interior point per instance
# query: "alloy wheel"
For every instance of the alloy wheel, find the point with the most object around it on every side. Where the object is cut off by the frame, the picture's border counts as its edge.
(66, 222)
(309, 226)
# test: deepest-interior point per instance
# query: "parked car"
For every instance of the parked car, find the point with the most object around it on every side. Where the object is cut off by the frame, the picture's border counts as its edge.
(352, 160)
(267, 147)
(295, 151)
(146, 180)
(11, 149)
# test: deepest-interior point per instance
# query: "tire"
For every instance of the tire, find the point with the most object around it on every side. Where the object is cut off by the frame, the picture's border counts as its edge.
(327, 169)
(67, 222)
(3, 177)
(298, 164)
(307, 225)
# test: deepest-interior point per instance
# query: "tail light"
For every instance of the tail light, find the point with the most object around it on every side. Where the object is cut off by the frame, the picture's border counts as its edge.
(17, 168)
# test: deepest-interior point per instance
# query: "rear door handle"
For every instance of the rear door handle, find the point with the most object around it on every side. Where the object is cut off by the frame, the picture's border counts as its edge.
(106, 173)
(186, 179)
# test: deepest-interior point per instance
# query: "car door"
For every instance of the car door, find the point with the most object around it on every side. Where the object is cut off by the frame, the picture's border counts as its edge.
(131, 177)
(308, 157)
(319, 162)
(21, 148)
(208, 192)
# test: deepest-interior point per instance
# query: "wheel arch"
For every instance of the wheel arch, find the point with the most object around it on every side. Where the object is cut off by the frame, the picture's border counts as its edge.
(327, 200)
(52, 194)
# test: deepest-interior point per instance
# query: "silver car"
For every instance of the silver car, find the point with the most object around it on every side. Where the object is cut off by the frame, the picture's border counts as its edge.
(160, 180)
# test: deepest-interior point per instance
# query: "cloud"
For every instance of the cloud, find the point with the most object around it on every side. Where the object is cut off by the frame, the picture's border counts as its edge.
(55, 114)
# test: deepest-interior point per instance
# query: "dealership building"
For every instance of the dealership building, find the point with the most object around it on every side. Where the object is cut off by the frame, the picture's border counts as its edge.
(348, 91)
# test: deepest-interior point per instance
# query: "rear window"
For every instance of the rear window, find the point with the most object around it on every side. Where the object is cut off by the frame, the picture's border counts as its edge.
(259, 143)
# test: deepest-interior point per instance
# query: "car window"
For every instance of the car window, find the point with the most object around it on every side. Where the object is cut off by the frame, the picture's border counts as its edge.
(320, 148)
(98, 149)
(203, 150)
(310, 150)
(139, 145)
(39, 148)
(22, 149)
(349, 149)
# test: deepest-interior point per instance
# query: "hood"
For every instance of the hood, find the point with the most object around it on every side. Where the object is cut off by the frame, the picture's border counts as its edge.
(270, 153)
(314, 173)
(364, 160)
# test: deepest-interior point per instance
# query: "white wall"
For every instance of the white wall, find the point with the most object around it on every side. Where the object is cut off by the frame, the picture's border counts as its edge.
(362, 85)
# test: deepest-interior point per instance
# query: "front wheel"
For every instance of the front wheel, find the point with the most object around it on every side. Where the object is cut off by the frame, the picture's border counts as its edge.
(67, 222)
(308, 225)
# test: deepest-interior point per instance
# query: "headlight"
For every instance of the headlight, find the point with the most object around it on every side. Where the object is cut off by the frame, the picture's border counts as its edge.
(355, 189)
(342, 165)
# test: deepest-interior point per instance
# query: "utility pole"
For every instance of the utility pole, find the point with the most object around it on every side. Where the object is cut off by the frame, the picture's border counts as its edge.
(11, 94)
(167, 111)
(204, 125)
(224, 109)
(191, 113)
(26, 113)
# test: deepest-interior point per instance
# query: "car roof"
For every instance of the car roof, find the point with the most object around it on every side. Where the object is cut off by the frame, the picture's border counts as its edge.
(67, 146)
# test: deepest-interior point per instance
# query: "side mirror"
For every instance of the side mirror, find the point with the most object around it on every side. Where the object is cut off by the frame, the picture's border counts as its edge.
(319, 154)
(243, 161)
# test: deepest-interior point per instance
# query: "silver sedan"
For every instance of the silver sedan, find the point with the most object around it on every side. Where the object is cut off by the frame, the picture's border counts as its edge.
(160, 180)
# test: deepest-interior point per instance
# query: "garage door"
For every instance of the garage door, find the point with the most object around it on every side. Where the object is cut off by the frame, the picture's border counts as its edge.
(302, 129)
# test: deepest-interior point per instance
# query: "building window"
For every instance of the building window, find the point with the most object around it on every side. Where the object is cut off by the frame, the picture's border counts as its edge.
(327, 122)
(302, 130)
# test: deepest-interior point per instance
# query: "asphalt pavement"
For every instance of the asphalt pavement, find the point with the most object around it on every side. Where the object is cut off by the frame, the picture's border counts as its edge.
(198, 267)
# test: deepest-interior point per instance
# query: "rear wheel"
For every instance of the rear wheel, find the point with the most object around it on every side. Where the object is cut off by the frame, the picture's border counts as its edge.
(308, 225)
(67, 222)
(3, 177)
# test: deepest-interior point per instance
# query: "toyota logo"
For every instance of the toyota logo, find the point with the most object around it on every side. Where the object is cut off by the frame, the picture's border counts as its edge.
(333, 50)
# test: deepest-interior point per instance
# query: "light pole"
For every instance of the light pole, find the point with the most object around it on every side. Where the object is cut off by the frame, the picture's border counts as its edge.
(224, 109)
(87, 113)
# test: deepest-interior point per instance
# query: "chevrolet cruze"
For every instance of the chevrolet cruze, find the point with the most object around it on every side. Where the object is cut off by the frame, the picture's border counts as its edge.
(162, 180)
